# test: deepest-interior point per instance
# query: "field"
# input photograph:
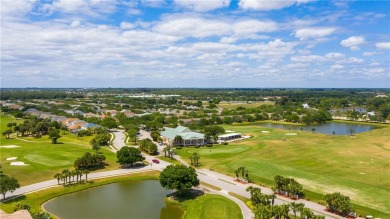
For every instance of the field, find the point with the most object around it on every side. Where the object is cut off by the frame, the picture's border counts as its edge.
(234, 105)
(211, 207)
(43, 158)
(357, 166)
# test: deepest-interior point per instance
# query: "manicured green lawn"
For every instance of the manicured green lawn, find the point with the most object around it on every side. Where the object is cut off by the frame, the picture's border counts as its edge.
(167, 159)
(323, 163)
(211, 207)
(43, 158)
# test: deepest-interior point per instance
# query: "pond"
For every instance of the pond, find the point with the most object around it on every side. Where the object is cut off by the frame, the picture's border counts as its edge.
(339, 128)
(136, 200)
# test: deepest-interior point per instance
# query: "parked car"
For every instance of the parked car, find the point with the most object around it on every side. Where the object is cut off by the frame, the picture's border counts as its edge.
(155, 161)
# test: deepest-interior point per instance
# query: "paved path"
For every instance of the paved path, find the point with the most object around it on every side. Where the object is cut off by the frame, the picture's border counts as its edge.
(119, 140)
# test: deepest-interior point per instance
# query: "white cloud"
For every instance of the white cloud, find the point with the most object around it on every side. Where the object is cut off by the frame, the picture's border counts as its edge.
(383, 45)
(247, 27)
(265, 5)
(75, 24)
(193, 27)
(371, 53)
(202, 5)
(16, 8)
(127, 25)
(334, 56)
(353, 42)
(352, 60)
(81, 7)
(308, 58)
(202, 27)
(314, 32)
(337, 67)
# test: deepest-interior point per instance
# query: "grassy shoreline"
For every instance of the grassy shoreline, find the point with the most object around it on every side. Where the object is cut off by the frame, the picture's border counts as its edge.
(37, 199)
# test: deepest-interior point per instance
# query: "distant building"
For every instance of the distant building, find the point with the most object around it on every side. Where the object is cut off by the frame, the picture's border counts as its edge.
(306, 106)
(228, 137)
(189, 137)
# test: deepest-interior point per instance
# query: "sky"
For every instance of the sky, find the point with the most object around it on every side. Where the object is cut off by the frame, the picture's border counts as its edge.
(195, 43)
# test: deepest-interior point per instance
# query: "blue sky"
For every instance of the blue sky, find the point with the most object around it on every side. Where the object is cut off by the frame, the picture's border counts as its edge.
(195, 43)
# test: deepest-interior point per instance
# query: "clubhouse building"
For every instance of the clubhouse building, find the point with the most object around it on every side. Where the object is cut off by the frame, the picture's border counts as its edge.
(189, 137)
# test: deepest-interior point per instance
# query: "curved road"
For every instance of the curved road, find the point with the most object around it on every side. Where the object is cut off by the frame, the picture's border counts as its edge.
(226, 183)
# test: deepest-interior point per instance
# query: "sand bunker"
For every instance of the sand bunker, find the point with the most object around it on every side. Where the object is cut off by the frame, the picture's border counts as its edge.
(265, 131)
(291, 133)
(19, 163)
(12, 158)
(9, 146)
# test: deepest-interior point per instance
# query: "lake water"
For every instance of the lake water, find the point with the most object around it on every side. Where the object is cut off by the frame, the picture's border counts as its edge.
(326, 128)
(135, 200)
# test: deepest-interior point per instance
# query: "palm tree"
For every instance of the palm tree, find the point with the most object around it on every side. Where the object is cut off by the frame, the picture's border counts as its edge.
(273, 196)
(284, 209)
(86, 175)
(194, 159)
(296, 207)
(165, 151)
(306, 213)
(237, 172)
(65, 174)
(58, 177)
(169, 150)
(178, 139)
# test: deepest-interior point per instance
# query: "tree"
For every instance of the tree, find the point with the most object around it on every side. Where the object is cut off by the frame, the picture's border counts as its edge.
(306, 213)
(132, 133)
(336, 202)
(86, 175)
(213, 131)
(129, 156)
(148, 146)
(21, 206)
(65, 174)
(194, 159)
(178, 177)
(41, 215)
(178, 140)
(95, 145)
(8, 184)
(7, 133)
(155, 135)
(58, 177)
(54, 135)
(296, 207)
